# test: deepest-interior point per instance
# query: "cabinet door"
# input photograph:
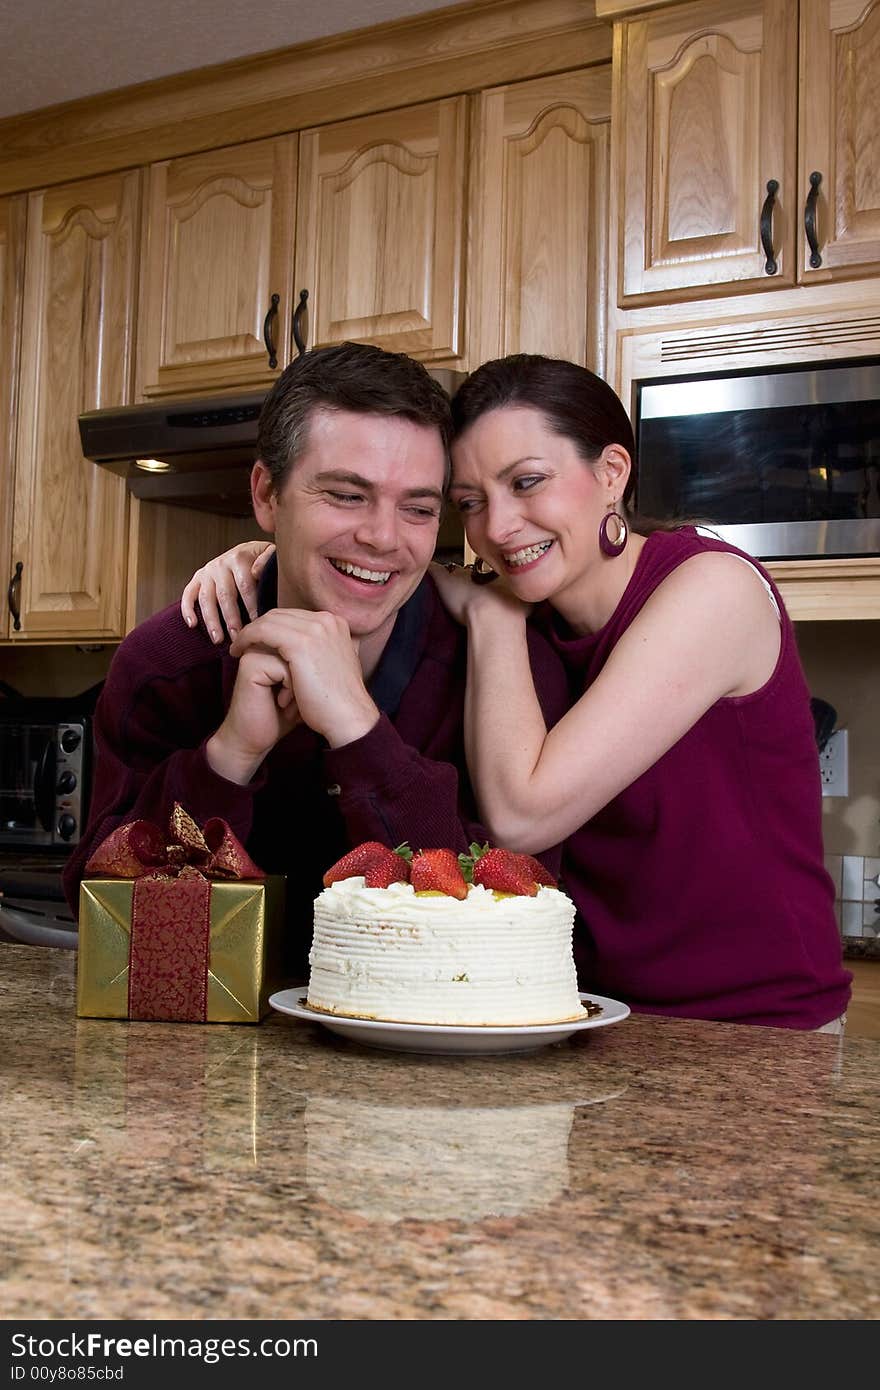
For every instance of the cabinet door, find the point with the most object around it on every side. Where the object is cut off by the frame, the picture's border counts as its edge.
(707, 109)
(12, 229)
(539, 197)
(840, 136)
(217, 268)
(380, 209)
(69, 521)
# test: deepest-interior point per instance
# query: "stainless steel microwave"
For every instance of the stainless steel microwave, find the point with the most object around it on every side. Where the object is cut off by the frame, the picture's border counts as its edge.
(784, 462)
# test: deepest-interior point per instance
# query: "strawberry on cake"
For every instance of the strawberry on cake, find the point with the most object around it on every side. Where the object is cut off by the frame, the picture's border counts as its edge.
(439, 938)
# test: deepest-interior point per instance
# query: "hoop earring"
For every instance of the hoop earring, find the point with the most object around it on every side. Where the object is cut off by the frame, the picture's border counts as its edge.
(616, 544)
(481, 573)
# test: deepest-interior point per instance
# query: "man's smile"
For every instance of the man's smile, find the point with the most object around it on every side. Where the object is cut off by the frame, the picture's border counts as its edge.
(361, 572)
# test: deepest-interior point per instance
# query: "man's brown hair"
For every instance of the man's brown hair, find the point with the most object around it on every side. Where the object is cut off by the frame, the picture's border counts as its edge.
(347, 376)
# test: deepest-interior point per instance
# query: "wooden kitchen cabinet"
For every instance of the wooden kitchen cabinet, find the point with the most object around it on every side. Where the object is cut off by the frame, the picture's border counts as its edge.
(371, 222)
(380, 230)
(707, 112)
(539, 199)
(863, 1013)
(840, 136)
(69, 517)
(12, 236)
(728, 111)
(217, 269)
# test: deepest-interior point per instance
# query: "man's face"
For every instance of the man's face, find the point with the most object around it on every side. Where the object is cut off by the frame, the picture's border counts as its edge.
(355, 522)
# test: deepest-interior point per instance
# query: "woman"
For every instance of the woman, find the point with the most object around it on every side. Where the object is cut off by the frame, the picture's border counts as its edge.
(684, 778)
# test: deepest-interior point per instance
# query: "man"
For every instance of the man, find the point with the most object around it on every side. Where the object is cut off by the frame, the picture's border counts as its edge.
(336, 715)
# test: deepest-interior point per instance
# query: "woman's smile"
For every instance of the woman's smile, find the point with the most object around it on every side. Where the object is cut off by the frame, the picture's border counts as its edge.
(517, 561)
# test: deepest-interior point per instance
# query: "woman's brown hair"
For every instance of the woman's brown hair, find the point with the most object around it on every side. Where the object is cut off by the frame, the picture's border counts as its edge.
(576, 403)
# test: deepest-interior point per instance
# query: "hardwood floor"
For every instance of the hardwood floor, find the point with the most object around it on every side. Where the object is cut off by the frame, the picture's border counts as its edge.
(863, 1014)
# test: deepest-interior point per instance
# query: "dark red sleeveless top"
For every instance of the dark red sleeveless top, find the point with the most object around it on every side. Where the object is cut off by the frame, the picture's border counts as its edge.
(701, 888)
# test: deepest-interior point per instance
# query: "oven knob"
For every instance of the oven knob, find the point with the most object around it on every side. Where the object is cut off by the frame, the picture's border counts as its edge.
(66, 827)
(66, 782)
(70, 739)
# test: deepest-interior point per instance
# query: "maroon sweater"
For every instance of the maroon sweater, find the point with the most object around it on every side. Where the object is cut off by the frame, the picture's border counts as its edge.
(702, 885)
(168, 690)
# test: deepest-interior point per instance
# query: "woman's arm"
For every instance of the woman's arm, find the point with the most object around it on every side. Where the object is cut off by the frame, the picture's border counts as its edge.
(707, 632)
(216, 586)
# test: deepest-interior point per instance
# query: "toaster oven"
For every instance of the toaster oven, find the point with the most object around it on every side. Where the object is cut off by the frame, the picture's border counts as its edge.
(45, 766)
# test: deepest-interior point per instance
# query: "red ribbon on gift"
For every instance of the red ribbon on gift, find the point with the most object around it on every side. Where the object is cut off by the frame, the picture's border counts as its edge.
(171, 907)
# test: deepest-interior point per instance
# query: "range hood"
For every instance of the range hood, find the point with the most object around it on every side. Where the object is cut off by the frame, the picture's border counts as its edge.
(190, 453)
(207, 447)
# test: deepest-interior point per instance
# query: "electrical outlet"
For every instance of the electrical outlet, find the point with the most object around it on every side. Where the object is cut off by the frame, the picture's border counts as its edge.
(834, 765)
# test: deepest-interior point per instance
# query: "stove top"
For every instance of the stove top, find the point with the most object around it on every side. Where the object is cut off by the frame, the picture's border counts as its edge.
(49, 861)
(33, 909)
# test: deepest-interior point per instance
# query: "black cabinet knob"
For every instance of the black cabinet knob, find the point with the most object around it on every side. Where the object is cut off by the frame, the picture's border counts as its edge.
(70, 739)
(66, 826)
(67, 782)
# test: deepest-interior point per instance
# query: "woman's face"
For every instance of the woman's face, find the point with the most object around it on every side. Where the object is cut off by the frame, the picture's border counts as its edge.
(531, 505)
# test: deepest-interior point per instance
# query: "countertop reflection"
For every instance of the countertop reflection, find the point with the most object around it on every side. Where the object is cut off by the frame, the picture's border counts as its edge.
(657, 1169)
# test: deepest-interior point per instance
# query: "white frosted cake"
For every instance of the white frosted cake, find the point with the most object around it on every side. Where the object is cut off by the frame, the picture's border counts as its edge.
(421, 957)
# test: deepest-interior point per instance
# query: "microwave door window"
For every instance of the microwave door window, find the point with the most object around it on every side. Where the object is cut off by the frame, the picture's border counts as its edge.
(786, 464)
(17, 810)
(27, 778)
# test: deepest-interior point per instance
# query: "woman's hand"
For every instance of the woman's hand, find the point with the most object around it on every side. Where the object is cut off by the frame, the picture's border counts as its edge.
(216, 586)
(464, 598)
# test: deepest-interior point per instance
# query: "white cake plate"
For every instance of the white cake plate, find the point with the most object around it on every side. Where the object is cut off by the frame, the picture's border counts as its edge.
(448, 1038)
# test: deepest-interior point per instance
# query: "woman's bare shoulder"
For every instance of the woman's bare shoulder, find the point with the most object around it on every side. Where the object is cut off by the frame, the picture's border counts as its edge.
(722, 575)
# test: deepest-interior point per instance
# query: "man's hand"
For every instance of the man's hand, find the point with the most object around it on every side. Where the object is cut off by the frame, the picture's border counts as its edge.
(324, 673)
(261, 712)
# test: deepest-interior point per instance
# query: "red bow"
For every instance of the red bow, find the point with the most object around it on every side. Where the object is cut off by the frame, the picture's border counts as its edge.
(140, 848)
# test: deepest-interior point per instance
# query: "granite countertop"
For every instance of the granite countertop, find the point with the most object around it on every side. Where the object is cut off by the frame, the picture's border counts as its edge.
(657, 1169)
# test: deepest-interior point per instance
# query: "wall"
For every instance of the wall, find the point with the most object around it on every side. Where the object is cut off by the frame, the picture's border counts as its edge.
(62, 670)
(842, 665)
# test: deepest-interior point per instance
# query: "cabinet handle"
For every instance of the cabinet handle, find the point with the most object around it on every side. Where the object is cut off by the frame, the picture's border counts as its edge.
(770, 264)
(268, 325)
(297, 316)
(810, 219)
(13, 596)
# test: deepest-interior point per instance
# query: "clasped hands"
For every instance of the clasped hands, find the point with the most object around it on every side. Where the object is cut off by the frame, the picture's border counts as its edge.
(294, 666)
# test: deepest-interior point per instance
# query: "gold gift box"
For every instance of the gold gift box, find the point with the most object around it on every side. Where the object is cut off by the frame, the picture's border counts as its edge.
(244, 945)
